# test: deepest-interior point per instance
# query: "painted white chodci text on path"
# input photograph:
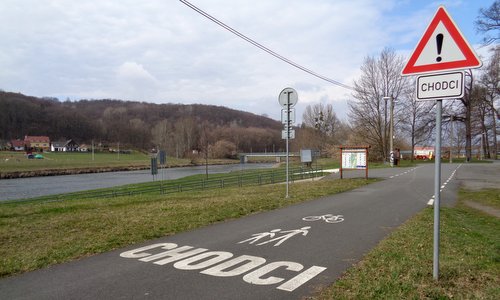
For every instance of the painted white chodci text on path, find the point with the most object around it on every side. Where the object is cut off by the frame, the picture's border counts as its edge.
(255, 270)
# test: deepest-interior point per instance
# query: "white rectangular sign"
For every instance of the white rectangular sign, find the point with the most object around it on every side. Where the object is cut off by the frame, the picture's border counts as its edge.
(284, 134)
(354, 159)
(287, 118)
(440, 86)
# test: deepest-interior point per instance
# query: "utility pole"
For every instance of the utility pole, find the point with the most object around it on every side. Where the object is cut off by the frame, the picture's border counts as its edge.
(451, 139)
(391, 129)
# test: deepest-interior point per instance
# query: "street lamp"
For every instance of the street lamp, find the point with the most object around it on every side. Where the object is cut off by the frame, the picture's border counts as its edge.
(483, 142)
(391, 129)
(452, 118)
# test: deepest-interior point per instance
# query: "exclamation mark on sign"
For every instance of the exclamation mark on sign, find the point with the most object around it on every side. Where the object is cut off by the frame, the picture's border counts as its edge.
(439, 43)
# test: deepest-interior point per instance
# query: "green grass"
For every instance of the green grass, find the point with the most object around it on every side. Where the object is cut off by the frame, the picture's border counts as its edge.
(489, 197)
(400, 267)
(37, 234)
(18, 162)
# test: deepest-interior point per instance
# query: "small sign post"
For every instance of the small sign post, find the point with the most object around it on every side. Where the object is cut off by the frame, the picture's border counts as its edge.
(287, 99)
(154, 166)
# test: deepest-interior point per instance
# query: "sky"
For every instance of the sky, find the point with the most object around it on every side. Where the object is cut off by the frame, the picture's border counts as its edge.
(162, 51)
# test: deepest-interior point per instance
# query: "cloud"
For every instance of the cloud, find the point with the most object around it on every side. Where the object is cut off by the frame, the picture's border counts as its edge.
(132, 71)
(162, 51)
(133, 81)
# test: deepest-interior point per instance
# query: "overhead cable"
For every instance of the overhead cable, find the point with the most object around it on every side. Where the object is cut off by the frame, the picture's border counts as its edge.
(260, 46)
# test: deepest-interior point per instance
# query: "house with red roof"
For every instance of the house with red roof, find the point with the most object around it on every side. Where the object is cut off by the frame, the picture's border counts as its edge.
(17, 145)
(37, 143)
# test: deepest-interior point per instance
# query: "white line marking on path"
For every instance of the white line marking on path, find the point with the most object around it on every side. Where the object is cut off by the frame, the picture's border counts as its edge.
(403, 173)
(431, 201)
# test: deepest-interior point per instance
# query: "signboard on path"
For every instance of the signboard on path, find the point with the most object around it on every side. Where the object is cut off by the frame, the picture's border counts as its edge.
(441, 48)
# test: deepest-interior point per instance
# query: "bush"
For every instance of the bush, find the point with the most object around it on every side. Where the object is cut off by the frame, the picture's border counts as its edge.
(223, 149)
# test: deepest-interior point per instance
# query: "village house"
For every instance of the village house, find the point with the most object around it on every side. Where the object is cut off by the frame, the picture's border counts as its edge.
(37, 143)
(65, 146)
(17, 145)
(423, 152)
(84, 148)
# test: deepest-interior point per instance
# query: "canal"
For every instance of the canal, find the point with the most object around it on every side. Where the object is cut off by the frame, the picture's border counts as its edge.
(22, 188)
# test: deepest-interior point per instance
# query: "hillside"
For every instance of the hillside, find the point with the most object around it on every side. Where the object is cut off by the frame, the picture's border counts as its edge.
(178, 127)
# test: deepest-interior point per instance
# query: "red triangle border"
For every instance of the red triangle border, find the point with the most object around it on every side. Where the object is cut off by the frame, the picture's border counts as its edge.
(470, 61)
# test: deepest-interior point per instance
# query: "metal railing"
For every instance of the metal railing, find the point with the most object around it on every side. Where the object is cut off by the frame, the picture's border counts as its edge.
(170, 187)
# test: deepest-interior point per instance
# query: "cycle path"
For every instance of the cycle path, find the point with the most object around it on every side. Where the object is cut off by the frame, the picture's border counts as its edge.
(271, 255)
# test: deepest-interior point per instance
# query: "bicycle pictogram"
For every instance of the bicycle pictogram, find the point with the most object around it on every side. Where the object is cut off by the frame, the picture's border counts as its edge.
(328, 218)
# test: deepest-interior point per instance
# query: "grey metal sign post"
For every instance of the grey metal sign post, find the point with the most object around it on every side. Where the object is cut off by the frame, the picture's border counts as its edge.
(437, 188)
(287, 99)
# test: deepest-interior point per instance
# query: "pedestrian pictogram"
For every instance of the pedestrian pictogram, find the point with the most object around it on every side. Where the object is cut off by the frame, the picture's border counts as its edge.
(441, 48)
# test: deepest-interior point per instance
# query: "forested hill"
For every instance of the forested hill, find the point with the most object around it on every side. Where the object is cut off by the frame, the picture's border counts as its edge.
(136, 124)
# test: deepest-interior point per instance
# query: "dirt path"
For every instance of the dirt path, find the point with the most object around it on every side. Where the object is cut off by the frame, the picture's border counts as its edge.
(484, 208)
(478, 177)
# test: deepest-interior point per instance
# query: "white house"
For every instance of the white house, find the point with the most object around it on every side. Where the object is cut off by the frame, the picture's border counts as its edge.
(67, 146)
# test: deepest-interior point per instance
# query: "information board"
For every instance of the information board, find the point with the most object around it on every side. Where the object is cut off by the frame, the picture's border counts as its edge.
(354, 158)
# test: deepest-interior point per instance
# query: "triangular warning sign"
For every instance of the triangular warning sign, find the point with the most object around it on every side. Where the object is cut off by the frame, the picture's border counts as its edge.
(441, 48)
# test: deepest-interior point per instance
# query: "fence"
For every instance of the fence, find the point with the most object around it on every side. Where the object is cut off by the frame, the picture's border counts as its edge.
(169, 187)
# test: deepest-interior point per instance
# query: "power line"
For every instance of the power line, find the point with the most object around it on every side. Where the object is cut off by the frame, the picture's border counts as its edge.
(260, 46)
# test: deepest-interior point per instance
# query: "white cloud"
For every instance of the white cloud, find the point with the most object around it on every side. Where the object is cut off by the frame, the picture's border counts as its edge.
(132, 71)
(162, 51)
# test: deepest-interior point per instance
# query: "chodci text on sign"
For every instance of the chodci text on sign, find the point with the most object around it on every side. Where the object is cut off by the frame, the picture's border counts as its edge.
(440, 86)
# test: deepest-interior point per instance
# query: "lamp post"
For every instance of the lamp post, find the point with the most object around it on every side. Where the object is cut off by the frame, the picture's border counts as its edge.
(481, 150)
(452, 118)
(391, 129)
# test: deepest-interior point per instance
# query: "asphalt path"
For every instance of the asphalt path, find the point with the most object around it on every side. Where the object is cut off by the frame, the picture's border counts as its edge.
(271, 255)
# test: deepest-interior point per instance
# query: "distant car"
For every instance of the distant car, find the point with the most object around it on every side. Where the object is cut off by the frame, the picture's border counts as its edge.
(38, 156)
(30, 156)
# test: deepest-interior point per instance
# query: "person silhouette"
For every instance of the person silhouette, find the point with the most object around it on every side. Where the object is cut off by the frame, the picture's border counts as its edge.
(258, 236)
(290, 233)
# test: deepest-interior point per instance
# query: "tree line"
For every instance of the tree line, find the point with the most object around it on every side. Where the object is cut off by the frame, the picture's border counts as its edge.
(469, 122)
(179, 129)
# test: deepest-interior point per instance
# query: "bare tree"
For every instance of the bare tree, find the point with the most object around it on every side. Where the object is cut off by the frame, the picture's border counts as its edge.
(369, 112)
(139, 134)
(161, 135)
(307, 138)
(490, 79)
(467, 113)
(418, 121)
(327, 129)
(204, 143)
(186, 135)
(489, 21)
(322, 117)
(223, 149)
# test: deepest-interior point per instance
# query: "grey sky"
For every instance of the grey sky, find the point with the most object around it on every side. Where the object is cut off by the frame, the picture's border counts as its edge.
(162, 51)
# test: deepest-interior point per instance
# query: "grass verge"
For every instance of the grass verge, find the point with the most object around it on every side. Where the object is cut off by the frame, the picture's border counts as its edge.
(18, 162)
(37, 234)
(400, 267)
